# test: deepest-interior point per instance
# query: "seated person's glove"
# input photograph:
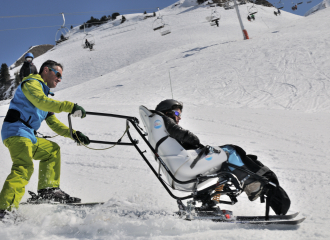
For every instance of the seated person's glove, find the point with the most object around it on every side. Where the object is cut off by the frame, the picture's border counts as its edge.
(78, 111)
(83, 139)
(212, 149)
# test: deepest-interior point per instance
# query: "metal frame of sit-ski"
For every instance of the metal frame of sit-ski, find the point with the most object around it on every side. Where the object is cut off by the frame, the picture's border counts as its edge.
(232, 186)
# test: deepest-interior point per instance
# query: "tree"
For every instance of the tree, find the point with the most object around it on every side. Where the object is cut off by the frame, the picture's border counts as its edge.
(201, 1)
(145, 12)
(4, 78)
(115, 15)
(17, 79)
(93, 22)
(104, 19)
(123, 19)
(4, 74)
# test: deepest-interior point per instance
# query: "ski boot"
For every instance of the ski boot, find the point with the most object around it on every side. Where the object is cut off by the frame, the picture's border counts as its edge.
(254, 190)
(55, 195)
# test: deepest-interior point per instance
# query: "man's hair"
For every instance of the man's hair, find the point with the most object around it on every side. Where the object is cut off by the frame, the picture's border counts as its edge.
(51, 64)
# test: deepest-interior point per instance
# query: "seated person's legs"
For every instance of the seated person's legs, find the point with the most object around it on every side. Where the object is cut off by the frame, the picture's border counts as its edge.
(252, 186)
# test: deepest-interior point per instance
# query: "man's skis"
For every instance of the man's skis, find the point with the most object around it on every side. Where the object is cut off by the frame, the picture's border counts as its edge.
(88, 204)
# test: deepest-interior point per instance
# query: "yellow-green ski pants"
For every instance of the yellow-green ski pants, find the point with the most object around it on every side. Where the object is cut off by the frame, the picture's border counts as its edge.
(22, 151)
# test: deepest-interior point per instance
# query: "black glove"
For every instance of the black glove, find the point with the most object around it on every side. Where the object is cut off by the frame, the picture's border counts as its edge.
(212, 150)
(84, 139)
(78, 111)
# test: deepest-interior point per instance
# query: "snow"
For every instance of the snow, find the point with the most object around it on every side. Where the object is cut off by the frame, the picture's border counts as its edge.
(322, 5)
(270, 95)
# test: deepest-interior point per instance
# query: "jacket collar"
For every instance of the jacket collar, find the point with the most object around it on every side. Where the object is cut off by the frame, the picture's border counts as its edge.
(36, 77)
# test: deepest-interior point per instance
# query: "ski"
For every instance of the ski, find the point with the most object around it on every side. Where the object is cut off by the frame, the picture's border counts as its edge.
(247, 219)
(271, 222)
(88, 204)
(35, 200)
(271, 217)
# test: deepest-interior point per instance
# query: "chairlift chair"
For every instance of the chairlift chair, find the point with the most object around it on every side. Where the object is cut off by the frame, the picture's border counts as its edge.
(242, 2)
(63, 33)
(279, 5)
(252, 10)
(215, 17)
(228, 5)
(90, 38)
(166, 29)
(158, 24)
(295, 5)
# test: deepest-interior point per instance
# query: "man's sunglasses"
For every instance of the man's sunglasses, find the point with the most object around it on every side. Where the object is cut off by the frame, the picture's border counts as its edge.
(176, 113)
(58, 75)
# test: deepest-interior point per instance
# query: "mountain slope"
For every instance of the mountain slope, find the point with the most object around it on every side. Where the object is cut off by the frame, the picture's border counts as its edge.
(120, 45)
(318, 7)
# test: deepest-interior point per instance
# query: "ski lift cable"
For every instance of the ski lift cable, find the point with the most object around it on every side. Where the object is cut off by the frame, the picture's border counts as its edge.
(1, 30)
(12, 29)
(75, 13)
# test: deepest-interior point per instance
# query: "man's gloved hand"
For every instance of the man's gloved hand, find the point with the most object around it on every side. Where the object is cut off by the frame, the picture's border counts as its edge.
(84, 139)
(78, 111)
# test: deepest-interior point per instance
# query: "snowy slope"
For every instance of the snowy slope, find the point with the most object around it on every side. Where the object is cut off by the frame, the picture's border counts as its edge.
(270, 95)
(324, 4)
(120, 45)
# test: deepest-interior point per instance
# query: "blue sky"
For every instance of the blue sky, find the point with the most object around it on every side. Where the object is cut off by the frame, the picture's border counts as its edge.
(15, 42)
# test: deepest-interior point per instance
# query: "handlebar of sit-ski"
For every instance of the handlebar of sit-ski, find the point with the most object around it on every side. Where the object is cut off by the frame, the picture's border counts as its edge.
(131, 119)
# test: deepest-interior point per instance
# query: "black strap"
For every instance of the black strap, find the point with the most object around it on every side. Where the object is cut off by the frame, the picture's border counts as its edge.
(13, 116)
(262, 198)
(160, 141)
(267, 208)
(262, 170)
(205, 151)
(26, 123)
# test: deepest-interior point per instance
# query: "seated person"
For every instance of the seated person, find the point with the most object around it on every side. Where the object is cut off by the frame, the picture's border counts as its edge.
(87, 44)
(171, 112)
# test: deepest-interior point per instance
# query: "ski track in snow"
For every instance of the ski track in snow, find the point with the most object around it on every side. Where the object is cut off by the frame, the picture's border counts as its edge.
(270, 95)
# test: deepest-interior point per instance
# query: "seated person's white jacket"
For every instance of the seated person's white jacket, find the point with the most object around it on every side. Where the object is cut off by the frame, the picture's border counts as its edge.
(177, 159)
